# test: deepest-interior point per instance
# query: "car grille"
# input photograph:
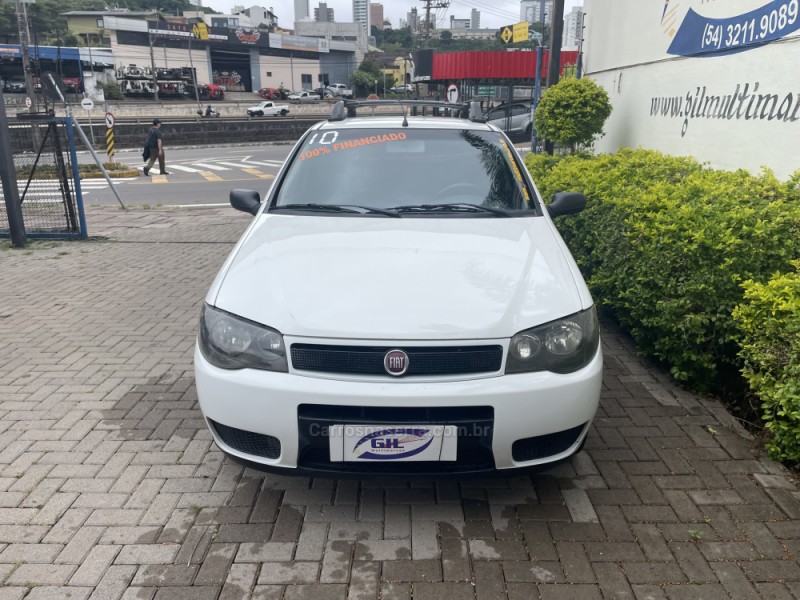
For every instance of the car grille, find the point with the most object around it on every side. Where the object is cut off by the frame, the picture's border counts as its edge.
(248, 442)
(361, 360)
(545, 445)
(475, 425)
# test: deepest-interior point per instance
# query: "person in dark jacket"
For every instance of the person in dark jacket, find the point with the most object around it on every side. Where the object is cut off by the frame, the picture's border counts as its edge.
(155, 141)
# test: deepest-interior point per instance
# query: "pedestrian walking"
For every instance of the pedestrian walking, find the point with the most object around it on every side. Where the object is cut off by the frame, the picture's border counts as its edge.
(155, 143)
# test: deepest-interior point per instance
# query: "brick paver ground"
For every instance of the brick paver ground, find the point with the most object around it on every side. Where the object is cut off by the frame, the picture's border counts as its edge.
(111, 488)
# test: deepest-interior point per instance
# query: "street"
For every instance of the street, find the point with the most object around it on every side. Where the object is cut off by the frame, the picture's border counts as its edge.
(198, 176)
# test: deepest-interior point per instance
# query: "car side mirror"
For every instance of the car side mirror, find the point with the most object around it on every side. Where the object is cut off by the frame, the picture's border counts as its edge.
(566, 203)
(247, 201)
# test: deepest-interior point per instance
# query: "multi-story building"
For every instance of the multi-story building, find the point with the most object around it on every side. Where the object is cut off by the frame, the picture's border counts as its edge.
(475, 19)
(229, 21)
(301, 10)
(536, 11)
(376, 14)
(261, 17)
(361, 13)
(88, 25)
(459, 23)
(573, 28)
(323, 14)
(412, 19)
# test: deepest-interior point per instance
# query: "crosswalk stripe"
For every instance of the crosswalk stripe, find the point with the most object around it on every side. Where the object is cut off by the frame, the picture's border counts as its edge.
(209, 176)
(264, 163)
(212, 167)
(159, 179)
(231, 164)
(259, 174)
(184, 169)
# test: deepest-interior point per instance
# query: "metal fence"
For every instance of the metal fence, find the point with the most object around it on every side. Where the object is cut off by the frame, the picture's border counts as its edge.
(48, 180)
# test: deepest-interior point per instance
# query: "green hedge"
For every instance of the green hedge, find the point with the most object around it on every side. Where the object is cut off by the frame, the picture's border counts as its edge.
(769, 322)
(666, 244)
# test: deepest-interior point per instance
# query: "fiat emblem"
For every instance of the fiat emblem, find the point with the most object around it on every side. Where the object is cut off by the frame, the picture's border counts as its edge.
(395, 362)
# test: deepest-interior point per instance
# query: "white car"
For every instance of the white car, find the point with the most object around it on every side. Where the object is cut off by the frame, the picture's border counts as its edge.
(341, 90)
(403, 88)
(304, 96)
(439, 328)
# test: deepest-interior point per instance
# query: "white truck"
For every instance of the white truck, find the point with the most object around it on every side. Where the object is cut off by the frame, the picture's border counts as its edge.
(341, 90)
(269, 108)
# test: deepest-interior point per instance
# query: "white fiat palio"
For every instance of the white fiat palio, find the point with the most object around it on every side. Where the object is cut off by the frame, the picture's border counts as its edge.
(401, 303)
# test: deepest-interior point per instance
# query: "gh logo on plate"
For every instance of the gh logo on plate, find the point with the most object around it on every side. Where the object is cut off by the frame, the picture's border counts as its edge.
(394, 443)
(395, 362)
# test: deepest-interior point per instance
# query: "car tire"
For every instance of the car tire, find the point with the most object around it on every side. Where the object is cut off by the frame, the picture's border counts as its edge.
(259, 114)
(284, 112)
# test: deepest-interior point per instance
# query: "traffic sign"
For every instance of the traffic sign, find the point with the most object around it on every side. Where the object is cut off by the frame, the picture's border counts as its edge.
(373, 97)
(452, 93)
(513, 34)
(109, 120)
(28, 101)
(87, 104)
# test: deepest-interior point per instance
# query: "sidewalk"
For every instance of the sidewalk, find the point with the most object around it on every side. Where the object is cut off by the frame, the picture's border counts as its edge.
(111, 488)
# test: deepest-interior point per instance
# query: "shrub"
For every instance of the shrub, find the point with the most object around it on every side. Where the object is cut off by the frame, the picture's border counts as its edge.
(769, 325)
(111, 91)
(572, 112)
(666, 244)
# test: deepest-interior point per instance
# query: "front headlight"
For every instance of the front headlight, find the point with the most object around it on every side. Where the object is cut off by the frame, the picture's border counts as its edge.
(563, 346)
(230, 342)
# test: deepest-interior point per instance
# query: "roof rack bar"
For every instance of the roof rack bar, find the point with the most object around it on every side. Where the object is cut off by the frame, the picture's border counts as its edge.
(344, 109)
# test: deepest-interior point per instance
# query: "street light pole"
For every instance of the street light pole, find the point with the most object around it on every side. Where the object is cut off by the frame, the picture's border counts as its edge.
(24, 43)
(8, 179)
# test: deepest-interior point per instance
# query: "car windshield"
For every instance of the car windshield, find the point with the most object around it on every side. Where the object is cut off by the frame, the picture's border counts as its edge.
(407, 168)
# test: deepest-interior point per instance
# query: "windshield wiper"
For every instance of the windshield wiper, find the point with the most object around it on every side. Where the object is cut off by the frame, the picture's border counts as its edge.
(456, 207)
(340, 208)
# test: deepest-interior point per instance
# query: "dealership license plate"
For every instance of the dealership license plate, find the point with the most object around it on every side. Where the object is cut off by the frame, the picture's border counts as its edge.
(392, 443)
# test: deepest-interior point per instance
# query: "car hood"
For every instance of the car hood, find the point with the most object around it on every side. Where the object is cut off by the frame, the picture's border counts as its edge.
(410, 278)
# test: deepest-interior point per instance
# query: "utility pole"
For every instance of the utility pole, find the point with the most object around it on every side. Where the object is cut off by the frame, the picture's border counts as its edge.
(556, 35)
(429, 4)
(554, 69)
(24, 44)
(153, 67)
(8, 179)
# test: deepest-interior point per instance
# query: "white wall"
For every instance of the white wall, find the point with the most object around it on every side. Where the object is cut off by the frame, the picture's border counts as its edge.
(732, 103)
(287, 71)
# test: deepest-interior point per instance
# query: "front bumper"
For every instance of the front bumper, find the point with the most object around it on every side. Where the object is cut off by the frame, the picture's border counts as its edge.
(285, 405)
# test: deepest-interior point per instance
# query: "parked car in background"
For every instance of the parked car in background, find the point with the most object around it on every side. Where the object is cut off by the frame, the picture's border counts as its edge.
(268, 108)
(304, 96)
(404, 88)
(14, 85)
(272, 93)
(521, 117)
(341, 90)
(324, 93)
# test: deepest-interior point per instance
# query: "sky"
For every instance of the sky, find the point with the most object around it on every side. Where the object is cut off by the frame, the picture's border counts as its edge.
(494, 13)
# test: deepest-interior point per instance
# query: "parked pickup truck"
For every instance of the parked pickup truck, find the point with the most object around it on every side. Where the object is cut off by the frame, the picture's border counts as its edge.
(268, 108)
(341, 89)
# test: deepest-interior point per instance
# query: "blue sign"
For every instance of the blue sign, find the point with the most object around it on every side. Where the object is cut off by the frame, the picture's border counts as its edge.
(699, 35)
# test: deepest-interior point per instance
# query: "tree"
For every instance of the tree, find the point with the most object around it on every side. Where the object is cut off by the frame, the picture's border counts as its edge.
(363, 82)
(572, 112)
